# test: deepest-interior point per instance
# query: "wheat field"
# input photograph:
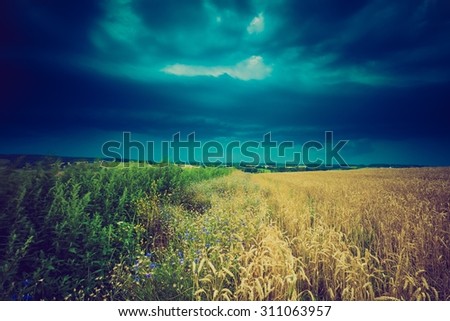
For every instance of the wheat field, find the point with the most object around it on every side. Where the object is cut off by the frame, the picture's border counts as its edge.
(368, 234)
(171, 233)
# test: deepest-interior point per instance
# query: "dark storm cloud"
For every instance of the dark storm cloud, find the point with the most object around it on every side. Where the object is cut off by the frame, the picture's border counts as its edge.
(384, 36)
(399, 27)
(84, 101)
(376, 72)
(47, 27)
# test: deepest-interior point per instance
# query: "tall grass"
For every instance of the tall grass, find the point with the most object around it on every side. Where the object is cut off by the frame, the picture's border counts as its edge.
(63, 231)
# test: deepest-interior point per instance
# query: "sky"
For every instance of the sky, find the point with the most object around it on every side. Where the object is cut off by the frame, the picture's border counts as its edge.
(75, 74)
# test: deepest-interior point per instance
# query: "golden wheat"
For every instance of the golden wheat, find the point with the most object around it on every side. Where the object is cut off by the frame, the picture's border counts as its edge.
(372, 234)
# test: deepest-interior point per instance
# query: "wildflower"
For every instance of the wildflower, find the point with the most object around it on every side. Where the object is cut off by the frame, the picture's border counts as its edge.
(153, 265)
(148, 254)
(26, 283)
(27, 297)
(148, 275)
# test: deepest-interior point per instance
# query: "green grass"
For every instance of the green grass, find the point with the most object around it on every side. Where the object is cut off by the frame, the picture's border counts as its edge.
(69, 233)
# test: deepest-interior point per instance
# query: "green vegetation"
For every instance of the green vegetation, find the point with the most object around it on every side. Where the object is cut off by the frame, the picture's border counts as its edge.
(64, 232)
